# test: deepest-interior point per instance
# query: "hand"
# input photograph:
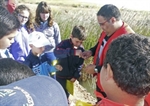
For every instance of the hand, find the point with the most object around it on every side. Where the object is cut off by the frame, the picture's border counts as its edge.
(86, 54)
(90, 69)
(73, 80)
(78, 53)
(58, 67)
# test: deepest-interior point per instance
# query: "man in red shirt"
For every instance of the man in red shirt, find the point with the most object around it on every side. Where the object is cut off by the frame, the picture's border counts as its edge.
(109, 19)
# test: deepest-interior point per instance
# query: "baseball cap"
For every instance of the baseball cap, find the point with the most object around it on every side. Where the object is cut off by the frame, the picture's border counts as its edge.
(33, 91)
(38, 39)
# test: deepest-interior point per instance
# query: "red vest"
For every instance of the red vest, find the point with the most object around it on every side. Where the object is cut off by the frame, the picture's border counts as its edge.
(124, 29)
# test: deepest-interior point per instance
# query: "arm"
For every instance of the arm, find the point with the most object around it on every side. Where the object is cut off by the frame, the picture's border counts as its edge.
(57, 35)
(80, 66)
(89, 53)
(93, 49)
(61, 51)
(16, 52)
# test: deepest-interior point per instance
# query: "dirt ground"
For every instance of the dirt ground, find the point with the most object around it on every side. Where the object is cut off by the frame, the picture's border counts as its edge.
(80, 93)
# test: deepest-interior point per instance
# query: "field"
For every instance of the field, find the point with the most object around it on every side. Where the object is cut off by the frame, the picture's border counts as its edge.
(68, 13)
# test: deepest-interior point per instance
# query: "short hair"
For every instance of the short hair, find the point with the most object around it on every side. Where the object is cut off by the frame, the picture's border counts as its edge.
(108, 11)
(2, 3)
(129, 58)
(11, 71)
(79, 32)
(8, 22)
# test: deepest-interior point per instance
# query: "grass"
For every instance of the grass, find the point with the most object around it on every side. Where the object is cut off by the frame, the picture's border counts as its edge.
(68, 13)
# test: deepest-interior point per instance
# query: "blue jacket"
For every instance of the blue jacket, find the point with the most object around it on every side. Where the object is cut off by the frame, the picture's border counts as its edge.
(71, 64)
(39, 65)
(52, 34)
(20, 48)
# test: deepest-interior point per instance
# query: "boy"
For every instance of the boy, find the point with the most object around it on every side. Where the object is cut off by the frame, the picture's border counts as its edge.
(125, 75)
(8, 29)
(11, 71)
(36, 60)
(68, 54)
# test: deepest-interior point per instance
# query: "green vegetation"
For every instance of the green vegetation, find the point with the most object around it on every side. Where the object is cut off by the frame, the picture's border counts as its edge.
(68, 13)
(78, 13)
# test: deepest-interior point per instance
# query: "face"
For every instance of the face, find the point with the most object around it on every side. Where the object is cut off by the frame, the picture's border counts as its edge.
(6, 41)
(44, 16)
(106, 79)
(102, 77)
(104, 24)
(37, 50)
(23, 17)
(76, 42)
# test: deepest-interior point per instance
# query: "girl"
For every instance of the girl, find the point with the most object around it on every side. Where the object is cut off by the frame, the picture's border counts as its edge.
(44, 23)
(20, 48)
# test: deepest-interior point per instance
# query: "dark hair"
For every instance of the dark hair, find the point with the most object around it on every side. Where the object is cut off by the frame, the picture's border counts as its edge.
(129, 58)
(79, 32)
(8, 22)
(108, 11)
(43, 8)
(2, 3)
(19, 9)
(11, 71)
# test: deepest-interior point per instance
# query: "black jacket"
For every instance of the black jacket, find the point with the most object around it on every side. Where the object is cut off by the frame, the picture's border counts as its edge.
(65, 53)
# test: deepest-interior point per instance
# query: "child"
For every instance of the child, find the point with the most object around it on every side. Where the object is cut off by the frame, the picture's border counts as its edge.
(20, 48)
(44, 23)
(125, 75)
(8, 29)
(36, 60)
(68, 54)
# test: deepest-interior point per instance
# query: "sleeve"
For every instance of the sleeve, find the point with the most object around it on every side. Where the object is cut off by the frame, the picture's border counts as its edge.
(61, 50)
(93, 49)
(28, 62)
(57, 35)
(80, 66)
(16, 52)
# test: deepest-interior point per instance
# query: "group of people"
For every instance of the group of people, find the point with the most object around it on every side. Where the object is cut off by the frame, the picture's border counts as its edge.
(120, 64)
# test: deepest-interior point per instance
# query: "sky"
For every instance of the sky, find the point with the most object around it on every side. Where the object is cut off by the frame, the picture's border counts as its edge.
(130, 4)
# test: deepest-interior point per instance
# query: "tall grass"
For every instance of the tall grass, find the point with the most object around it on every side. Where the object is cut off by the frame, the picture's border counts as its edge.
(68, 17)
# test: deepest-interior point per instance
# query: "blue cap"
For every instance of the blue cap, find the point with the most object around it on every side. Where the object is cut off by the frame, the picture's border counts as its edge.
(33, 91)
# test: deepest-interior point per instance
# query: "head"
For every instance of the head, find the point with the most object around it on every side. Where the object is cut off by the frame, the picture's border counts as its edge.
(127, 65)
(78, 35)
(24, 15)
(43, 13)
(107, 17)
(8, 28)
(37, 42)
(11, 71)
(33, 91)
(10, 5)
